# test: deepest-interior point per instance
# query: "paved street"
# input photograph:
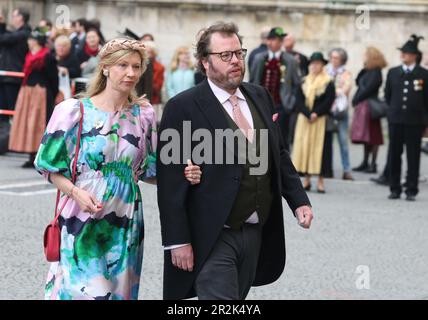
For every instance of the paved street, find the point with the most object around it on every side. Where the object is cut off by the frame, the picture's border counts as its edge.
(357, 235)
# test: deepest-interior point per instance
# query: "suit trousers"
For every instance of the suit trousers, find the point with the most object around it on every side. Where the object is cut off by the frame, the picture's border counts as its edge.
(230, 269)
(410, 136)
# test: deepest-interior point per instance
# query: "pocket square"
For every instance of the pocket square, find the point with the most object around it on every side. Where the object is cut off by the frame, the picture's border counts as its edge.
(275, 117)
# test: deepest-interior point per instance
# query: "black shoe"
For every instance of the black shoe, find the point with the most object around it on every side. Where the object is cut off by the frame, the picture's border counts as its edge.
(394, 195)
(382, 180)
(308, 187)
(363, 166)
(348, 176)
(371, 169)
(28, 164)
(410, 197)
(320, 190)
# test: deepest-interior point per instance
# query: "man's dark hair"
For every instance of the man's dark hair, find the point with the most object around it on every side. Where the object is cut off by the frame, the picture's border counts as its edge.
(204, 39)
(24, 13)
(83, 22)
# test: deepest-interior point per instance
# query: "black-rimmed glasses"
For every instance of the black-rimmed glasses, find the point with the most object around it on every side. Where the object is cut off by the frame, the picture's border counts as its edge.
(227, 56)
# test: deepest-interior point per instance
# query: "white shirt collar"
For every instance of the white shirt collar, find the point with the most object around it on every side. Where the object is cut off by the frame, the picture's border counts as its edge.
(411, 67)
(222, 95)
(272, 54)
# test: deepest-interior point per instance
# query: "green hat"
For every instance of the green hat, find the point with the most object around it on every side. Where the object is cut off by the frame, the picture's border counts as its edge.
(276, 32)
(317, 56)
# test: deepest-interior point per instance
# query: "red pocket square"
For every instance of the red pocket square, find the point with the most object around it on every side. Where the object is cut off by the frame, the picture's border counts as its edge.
(275, 117)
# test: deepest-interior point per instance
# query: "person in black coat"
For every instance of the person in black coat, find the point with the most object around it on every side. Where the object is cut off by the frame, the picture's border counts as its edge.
(226, 234)
(260, 49)
(406, 92)
(13, 48)
(369, 81)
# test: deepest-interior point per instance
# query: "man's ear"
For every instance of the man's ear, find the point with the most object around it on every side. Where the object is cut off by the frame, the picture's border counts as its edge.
(206, 64)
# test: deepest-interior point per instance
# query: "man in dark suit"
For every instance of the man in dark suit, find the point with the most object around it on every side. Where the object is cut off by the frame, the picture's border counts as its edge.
(226, 234)
(406, 92)
(260, 49)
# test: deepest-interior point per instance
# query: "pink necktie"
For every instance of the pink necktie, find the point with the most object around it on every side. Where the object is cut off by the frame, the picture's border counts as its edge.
(240, 120)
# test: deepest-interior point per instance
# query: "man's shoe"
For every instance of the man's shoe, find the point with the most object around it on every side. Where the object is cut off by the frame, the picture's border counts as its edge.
(371, 169)
(363, 166)
(348, 176)
(394, 195)
(382, 180)
(410, 197)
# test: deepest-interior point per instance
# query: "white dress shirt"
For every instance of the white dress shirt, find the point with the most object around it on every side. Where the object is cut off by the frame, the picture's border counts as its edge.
(223, 97)
(410, 68)
(275, 55)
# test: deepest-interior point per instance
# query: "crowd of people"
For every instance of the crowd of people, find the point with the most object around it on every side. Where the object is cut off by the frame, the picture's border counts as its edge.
(58, 62)
(78, 85)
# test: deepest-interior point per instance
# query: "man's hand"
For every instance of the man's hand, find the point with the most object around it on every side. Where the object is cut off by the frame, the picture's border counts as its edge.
(182, 258)
(304, 216)
(2, 19)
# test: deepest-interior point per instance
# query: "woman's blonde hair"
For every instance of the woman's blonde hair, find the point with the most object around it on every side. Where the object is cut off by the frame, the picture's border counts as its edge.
(98, 82)
(375, 59)
(175, 62)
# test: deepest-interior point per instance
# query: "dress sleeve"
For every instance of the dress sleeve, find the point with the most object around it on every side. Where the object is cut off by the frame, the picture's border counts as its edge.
(56, 151)
(149, 125)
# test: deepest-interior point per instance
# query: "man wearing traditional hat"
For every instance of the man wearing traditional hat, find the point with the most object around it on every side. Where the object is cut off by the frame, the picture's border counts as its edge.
(406, 92)
(278, 72)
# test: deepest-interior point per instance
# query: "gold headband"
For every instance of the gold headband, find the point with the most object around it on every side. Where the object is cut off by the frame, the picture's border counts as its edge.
(122, 44)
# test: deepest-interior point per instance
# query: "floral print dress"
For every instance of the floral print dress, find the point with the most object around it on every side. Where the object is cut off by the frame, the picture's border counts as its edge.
(101, 255)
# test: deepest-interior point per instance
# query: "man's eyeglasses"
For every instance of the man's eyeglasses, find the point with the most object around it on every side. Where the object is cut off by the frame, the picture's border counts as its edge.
(227, 56)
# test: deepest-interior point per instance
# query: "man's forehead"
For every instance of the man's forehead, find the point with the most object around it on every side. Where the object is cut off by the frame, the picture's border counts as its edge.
(223, 41)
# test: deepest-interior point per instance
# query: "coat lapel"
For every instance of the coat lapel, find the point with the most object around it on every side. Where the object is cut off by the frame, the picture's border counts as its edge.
(212, 110)
(211, 107)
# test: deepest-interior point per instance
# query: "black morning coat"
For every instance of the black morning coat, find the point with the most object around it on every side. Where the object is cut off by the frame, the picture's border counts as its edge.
(197, 214)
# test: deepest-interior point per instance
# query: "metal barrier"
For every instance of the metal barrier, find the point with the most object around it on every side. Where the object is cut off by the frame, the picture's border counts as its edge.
(4, 73)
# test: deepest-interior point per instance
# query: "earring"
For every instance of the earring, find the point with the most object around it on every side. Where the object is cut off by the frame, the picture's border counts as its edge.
(105, 72)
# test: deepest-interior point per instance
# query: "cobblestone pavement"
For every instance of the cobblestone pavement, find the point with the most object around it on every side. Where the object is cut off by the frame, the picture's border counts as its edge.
(361, 245)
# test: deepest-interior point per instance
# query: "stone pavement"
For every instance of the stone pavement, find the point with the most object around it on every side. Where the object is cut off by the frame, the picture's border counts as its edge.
(361, 245)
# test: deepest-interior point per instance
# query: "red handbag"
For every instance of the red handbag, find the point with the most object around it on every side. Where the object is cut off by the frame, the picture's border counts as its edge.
(52, 235)
(360, 130)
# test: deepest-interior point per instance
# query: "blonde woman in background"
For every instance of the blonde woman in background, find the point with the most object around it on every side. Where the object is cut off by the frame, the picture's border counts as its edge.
(312, 149)
(181, 75)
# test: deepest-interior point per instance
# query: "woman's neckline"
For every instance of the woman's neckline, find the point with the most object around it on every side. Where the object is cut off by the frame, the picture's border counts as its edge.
(105, 111)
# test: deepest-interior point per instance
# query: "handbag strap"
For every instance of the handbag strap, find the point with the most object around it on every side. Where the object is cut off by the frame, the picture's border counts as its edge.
(73, 174)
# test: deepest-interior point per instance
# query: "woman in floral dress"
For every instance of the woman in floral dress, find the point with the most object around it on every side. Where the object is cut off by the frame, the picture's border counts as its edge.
(102, 228)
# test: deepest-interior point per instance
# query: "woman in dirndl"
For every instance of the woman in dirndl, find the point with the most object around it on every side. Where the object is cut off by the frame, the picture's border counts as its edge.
(35, 99)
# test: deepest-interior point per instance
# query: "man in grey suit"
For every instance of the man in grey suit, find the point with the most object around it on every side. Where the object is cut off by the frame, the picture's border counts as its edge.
(279, 73)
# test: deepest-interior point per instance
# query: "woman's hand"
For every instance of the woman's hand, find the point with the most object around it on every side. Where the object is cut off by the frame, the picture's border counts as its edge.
(87, 202)
(313, 118)
(192, 173)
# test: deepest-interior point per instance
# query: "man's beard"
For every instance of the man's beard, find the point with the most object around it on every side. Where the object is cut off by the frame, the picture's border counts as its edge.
(224, 80)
